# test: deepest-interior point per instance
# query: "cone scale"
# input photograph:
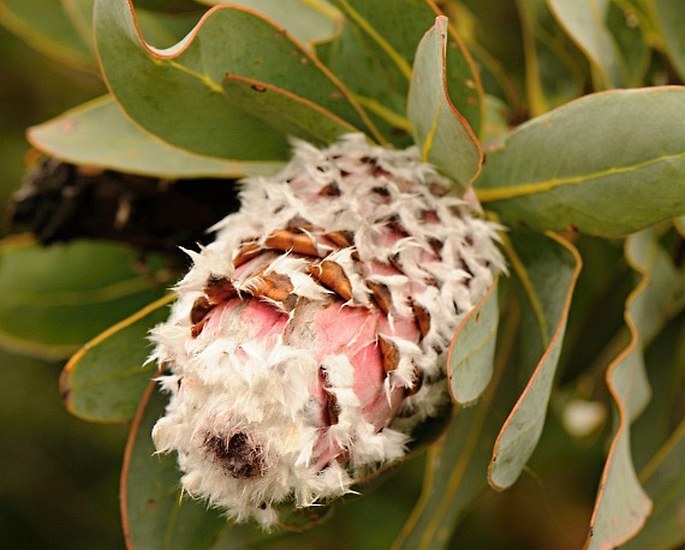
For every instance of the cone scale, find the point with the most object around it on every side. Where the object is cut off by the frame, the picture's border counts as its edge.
(308, 339)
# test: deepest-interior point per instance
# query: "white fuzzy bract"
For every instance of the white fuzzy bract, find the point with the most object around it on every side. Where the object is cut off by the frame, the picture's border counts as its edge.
(308, 339)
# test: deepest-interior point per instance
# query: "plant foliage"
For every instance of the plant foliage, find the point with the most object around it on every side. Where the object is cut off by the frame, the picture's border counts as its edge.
(563, 118)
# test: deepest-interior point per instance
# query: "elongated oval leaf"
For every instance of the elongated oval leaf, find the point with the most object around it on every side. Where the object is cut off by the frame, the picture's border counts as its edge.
(471, 356)
(153, 512)
(159, 28)
(608, 164)
(308, 21)
(383, 34)
(622, 505)
(54, 300)
(178, 95)
(99, 134)
(585, 22)
(284, 111)
(664, 480)
(445, 138)
(105, 380)
(457, 464)
(664, 359)
(380, 37)
(548, 269)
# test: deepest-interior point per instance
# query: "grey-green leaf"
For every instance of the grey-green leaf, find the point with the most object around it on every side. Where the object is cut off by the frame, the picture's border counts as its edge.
(664, 480)
(548, 268)
(553, 76)
(47, 27)
(441, 132)
(178, 95)
(457, 463)
(99, 134)
(308, 21)
(470, 361)
(609, 164)
(381, 38)
(105, 380)
(284, 111)
(622, 505)
(626, 25)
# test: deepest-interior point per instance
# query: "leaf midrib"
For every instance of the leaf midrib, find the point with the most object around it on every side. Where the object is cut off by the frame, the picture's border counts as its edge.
(544, 186)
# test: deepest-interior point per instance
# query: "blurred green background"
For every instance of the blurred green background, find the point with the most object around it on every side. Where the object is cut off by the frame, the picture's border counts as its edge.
(59, 475)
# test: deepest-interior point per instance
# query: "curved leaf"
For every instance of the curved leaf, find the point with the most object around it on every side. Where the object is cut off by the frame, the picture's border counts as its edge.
(154, 513)
(380, 37)
(284, 111)
(55, 299)
(46, 27)
(585, 22)
(158, 28)
(457, 464)
(97, 133)
(622, 505)
(443, 135)
(576, 172)
(551, 266)
(664, 480)
(307, 21)
(471, 355)
(105, 379)
(492, 34)
(178, 95)
(665, 366)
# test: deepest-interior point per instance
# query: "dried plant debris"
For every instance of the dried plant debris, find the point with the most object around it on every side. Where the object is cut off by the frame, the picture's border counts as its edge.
(60, 202)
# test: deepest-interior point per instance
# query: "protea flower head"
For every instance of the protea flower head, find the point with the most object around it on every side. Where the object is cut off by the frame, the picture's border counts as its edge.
(308, 339)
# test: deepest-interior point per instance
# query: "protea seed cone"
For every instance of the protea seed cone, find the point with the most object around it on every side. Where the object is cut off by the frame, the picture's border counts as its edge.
(308, 339)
